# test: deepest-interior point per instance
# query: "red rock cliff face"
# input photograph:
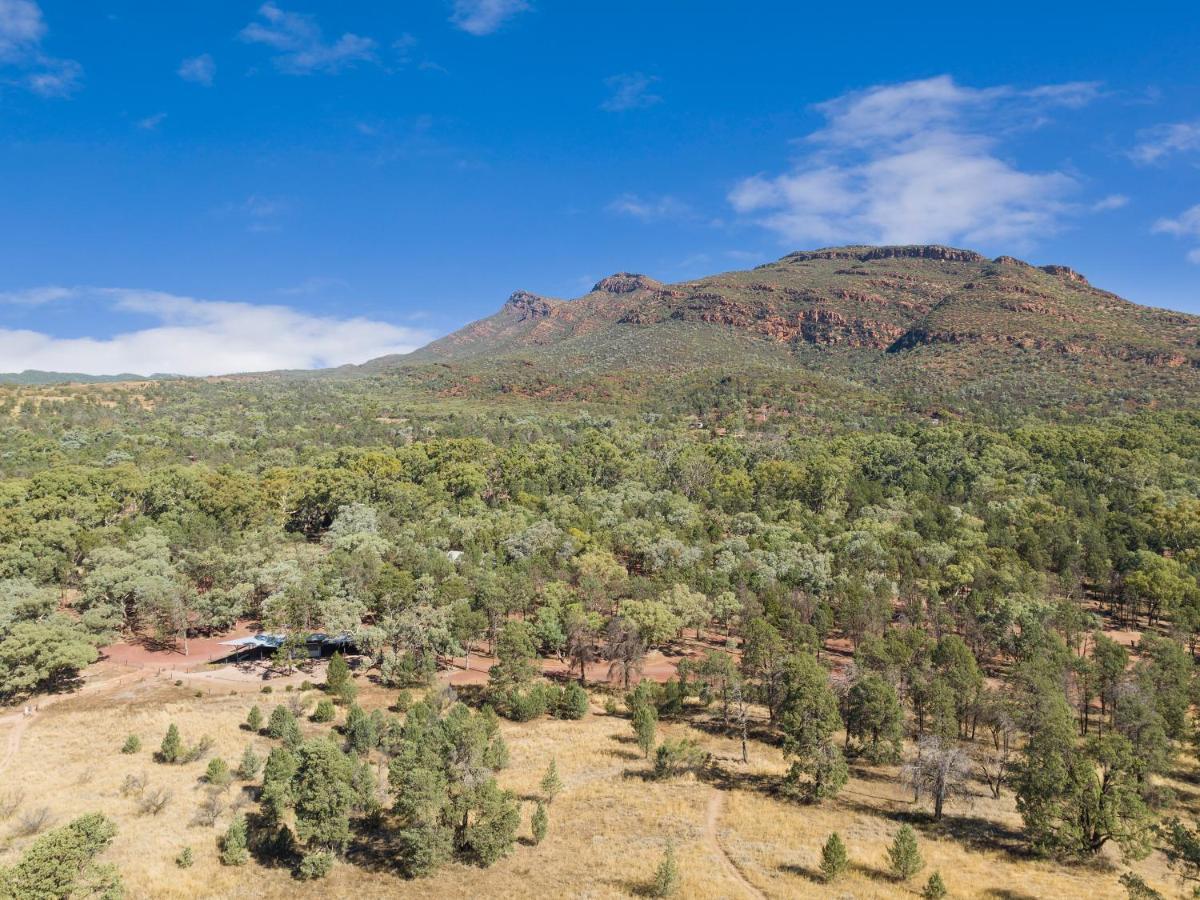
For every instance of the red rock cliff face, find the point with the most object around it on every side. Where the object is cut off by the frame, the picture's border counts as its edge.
(815, 325)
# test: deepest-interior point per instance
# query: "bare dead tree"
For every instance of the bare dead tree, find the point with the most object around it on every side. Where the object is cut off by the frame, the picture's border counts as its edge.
(34, 820)
(10, 802)
(940, 771)
(995, 758)
(625, 650)
(581, 647)
(741, 716)
(154, 801)
(210, 810)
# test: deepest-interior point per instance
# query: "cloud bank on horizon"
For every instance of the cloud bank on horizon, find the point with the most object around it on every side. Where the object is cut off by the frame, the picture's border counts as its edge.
(186, 336)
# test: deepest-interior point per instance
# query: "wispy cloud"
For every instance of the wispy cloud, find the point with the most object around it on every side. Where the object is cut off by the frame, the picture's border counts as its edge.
(187, 336)
(22, 31)
(36, 296)
(918, 162)
(151, 123)
(651, 209)
(260, 212)
(480, 17)
(1185, 225)
(301, 43)
(1112, 201)
(1161, 141)
(200, 69)
(630, 90)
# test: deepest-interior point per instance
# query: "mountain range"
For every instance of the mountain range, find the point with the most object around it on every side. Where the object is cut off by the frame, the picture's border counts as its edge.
(946, 324)
(922, 326)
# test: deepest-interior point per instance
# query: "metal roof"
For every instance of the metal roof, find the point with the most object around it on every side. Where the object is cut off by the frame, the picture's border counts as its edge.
(274, 641)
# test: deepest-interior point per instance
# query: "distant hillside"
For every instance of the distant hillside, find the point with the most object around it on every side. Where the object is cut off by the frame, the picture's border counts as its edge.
(33, 377)
(929, 319)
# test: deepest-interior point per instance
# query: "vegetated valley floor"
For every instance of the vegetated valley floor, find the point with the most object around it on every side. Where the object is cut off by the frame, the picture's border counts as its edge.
(608, 828)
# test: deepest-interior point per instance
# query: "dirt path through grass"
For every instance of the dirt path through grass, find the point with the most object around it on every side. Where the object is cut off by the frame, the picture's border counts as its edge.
(713, 817)
(13, 744)
(20, 722)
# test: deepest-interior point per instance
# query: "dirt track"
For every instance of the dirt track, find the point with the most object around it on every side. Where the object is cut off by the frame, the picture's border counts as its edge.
(711, 821)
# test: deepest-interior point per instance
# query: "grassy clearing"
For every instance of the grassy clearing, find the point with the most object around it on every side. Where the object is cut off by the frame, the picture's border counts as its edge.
(608, 828)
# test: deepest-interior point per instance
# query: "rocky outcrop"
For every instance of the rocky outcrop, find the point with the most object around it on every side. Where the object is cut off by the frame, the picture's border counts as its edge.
(524, 305)
(915, 251)
(626, 283)
(1011, 261)
(1065, 272)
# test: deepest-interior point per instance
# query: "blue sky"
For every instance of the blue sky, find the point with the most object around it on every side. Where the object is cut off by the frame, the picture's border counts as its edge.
(212, 186)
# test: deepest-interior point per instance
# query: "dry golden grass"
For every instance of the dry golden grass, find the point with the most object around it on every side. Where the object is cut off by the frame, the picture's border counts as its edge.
(607, 829)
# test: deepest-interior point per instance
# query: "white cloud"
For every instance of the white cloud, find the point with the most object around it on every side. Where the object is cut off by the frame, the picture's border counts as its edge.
(301, 43)
(630, 91)
(1112, 201)
(1185, 225)
(36, 296)
(22, 30)
(151, 123)
(202, 337)
(480, 17)
(1165, 140)
(917, 162)
(198, 69)
(650, 209)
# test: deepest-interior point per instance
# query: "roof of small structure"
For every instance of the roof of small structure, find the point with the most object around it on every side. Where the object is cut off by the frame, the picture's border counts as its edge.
(274, 641)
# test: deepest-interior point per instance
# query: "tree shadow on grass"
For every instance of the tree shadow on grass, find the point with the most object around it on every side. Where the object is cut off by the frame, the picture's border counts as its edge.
(727, 779)
(633, 887)
(811, 874)
(758, 732)
(373, 850)
(629, 755)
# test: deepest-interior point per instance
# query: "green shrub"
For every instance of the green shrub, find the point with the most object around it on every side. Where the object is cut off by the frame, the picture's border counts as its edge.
(539, 823)
(234, 844)
(834, 859)
(315, 866)
(185, 859)
(904, 857)
(132, 744)
(281, 723)
(171, 749)
(572, 702)
(324, 711)
(676, 757)
(524, 706)
(217, 773)
(199, 750)
(935, 888)
(666, 877)
(551, 784)
(250, 765)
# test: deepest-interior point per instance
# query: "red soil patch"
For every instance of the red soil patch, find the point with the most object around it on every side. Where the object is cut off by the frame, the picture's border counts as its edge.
(201, 651)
